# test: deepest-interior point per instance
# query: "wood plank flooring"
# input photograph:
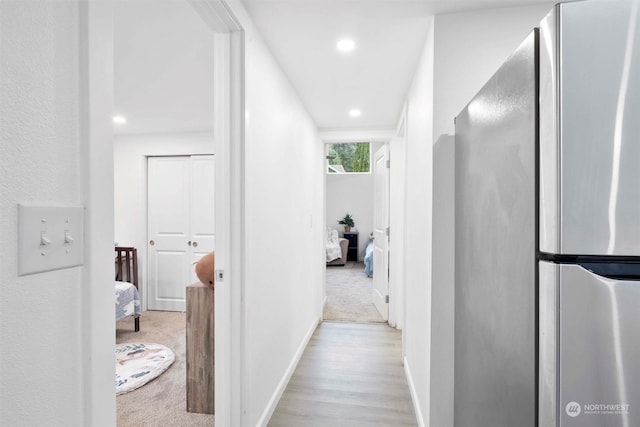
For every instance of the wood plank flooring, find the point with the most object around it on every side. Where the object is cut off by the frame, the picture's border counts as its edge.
(350, 374)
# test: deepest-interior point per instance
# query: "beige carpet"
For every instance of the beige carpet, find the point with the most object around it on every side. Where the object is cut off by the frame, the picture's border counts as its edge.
(161, 402)
(350, 295)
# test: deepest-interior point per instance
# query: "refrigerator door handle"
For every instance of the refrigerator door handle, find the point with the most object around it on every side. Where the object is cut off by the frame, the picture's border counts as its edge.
(612, 267)
(617, 271)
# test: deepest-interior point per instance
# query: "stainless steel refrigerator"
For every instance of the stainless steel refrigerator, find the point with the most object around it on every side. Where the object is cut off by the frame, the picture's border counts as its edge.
(547, 277)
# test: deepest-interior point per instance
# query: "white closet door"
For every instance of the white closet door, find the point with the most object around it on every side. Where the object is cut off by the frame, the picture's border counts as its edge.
(202, 211)
(180, 225)
(168, 253)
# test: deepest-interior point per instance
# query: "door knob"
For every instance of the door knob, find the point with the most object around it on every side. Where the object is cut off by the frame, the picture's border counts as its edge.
(151, 242)
(194, 244)
(189, 243)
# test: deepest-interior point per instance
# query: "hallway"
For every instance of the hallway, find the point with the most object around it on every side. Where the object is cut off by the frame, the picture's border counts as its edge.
(350, 374)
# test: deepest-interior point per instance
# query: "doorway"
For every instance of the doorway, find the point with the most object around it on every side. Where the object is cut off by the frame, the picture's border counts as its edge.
(220, 43)
(351, 190)
(96, 26)
(163, 99)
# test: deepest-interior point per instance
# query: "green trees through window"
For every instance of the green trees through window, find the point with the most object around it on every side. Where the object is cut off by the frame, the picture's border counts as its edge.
(348, 157)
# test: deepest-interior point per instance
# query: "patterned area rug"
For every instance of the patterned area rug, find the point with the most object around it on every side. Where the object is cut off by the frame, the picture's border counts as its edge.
(139, 363)
(350, 295)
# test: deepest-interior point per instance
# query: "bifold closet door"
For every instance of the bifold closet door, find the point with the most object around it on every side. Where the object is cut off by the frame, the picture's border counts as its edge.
(180, 208)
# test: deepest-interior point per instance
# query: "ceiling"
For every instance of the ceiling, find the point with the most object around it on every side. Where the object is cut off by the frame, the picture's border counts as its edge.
(163, 63)
(375, 76)
(163, 60)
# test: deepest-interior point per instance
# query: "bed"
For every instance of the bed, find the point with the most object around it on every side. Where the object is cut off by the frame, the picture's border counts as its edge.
(126, 285)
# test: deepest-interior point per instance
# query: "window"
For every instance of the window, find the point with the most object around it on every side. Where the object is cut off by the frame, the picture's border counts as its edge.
(352, 157)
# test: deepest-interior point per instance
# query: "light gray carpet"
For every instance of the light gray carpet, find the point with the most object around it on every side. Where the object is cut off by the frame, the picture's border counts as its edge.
(350, 295)
(163, 401)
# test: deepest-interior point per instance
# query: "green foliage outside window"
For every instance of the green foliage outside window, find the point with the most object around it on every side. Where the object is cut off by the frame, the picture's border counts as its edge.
(349, 157)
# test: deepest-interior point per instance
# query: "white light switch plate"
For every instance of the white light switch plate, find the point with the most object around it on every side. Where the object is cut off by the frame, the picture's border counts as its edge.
(49, 238)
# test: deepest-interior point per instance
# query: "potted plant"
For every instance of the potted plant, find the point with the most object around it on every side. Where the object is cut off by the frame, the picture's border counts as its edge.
(347, 221)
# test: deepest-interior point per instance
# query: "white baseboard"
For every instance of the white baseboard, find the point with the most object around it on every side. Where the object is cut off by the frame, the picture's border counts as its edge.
(414, 395)
(282, 385)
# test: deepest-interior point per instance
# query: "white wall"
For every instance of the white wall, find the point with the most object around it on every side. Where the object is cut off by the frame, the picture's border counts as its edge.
(469, 49)
(352, 193)
(417, 231)
(130, 183)
(461, 53)
(44, 328)
(284, 243)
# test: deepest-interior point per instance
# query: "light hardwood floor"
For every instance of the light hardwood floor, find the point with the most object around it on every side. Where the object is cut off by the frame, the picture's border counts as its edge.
(350, 374)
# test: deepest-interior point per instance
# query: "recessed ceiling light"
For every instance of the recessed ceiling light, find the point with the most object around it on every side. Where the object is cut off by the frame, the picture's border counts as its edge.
(346, 45)
(355, 112)
(119, 120)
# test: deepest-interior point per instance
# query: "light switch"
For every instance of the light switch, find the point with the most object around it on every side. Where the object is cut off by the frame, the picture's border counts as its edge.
(44, 240)
(49, 238)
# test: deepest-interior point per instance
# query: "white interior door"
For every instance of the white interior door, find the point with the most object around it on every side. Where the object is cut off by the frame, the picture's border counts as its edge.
(180, 194)
(380, 237)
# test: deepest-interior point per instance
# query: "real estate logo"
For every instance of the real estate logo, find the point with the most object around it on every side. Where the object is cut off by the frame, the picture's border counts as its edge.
(573, 409)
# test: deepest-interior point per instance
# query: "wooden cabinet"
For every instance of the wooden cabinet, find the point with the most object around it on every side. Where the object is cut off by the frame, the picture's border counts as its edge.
(200, 349)
(352, 252)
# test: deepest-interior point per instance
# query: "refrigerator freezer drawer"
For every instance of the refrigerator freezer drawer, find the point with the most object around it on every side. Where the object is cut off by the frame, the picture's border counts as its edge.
(599, 349)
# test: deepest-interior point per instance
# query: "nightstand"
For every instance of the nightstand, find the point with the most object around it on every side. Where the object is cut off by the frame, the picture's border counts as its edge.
(352, 252)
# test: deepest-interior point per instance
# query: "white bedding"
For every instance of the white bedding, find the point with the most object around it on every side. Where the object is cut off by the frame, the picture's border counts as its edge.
(127, 300)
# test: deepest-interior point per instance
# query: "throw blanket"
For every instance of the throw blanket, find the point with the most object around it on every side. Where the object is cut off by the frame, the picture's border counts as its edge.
(333, 245)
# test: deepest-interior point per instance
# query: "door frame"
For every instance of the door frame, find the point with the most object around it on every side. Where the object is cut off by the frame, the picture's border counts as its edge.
(229, 109)
(96, 75)
(96, 154)
(371, 136)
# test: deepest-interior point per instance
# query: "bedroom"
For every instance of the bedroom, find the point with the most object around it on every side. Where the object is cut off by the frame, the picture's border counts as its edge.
(163, 176)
